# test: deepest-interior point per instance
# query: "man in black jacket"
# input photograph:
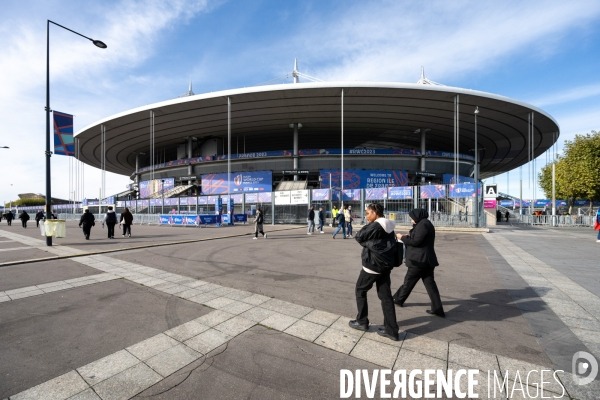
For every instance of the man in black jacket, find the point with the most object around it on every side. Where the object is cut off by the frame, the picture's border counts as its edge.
(379, 250)
(38, 216)
(9, 217)
(86, 222)
(24, 217)
(321, 220)
(311, 220)
(421, 260)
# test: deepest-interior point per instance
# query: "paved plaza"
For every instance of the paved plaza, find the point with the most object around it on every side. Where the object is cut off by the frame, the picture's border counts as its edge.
(188, 313)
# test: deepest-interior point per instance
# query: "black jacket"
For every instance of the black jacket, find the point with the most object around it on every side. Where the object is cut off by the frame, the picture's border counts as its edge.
(259, 218)
(419, 243)
(311, 215)
(379, 245)
(322, 215)
(126, 218)
(8, 216)
(24, 216)
(87, 219)
(39, 216)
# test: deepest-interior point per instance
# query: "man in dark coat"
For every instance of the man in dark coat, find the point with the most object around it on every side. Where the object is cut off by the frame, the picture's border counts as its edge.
(126, 221)
(311, 220)
(321, 220)
(86, 222)
(378, 255)
(38, 216)
(9, 217)
(24, 217)
(111, 220)
(421, 260)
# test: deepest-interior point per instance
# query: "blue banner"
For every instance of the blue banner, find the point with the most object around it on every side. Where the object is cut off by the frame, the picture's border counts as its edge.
(376, 194)
(505, 203)
(320, 194)
(349, 195)
(64, 144)
(362, 179)
(461, 190)
(400, 193)
(149, 188)
(207, 219)
(433, 192)
(240, 182)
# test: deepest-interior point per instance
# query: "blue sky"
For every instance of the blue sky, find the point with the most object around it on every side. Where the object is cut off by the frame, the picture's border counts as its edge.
(542, 52)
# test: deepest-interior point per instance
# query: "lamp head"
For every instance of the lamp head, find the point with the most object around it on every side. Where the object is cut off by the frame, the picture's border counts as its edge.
(99, 43)
(476, 112)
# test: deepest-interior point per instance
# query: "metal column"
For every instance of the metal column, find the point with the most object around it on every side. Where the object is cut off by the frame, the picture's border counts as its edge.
(456, 136)
(423, 153)
(295, 149)
(342, 153)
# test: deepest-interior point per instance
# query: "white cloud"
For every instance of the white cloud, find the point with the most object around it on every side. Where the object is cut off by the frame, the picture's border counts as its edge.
(569, 95)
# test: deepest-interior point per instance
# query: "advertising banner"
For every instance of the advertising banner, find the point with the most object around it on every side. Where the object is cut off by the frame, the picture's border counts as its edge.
(237, 198)
(506, 203)
(202, 200)
(150, 188)
(542, 203)
(298, 196)
(349, 195)
(64, 144)
(433, 192)
(240, 182)
(461, 190)
(183, 201)
(376, 194)
(212, 199)
(282, 198)
(400, 193)
(252, 198)
(240, 218)
(320, 194)
(264, 197)
(359, 179)
(191, 220)
(207, 219)
(489, 203)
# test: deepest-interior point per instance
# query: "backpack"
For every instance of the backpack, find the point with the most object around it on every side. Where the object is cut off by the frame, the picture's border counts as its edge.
(111, 218)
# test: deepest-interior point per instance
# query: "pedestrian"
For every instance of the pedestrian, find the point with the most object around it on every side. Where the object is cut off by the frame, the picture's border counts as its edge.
(311, 220)
(421, 261)
(24, 217)
(9, 217)
(38, 217)
(597, 224)
(341, 221)
(507, 215)
(334, 214)
(126, 221)
(348, 216)
(258, 224)
(110, 218)
(498, 216)
(321, 220)
(378, 255)
(86, 222)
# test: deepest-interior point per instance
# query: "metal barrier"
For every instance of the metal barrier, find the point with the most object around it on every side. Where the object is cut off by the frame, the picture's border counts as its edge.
(439, 219)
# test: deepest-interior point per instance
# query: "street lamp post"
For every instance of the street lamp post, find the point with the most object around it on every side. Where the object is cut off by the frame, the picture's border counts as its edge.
(97, 43)
(162, 189)
(476, 208)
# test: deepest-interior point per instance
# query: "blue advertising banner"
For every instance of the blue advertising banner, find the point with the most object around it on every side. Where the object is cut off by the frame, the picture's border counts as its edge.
(542, 203)
(449, 178)
(461, 190)
(240, 182)
(505, 203)
(191, 220)
(400, 193)
(349, 194)
(320, 194)
(433, 192)
(264, 197)
(376, 194)
(252, 198)
(64, 144)
(149, 188)
(240, 217)
(207, 219)
(362, 179)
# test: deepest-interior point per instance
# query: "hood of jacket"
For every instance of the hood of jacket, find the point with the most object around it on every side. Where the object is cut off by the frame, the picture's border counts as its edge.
(418, 214)
(110, 212)
(387, 225)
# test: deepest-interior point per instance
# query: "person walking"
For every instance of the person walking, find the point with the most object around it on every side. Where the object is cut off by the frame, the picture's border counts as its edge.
(341, 220)
(334, 214)
(421, 261)
(86, 222)
(9, 217)
(258, 224)
(507, 215)
(378, 255)
(597, 224)
(126, 221)
(110, 219)
(24, 217)
(311, 220)
(321, 220)
(348, 215)
(38, 217)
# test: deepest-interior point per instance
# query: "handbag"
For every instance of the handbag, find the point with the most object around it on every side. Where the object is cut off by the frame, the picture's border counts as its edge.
(398, 253)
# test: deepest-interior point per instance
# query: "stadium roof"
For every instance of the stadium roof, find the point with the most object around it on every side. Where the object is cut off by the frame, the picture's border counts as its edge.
(376, 114)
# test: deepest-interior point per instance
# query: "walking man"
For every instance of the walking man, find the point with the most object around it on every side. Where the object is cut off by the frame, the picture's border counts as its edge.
(24, 217)
(126, 221)
(258, 224)
(86, 222)
(341, 220)
(9, 217)
(311, 220)
(38, 216)
(348, 215)
(110, 219)
(321, 220)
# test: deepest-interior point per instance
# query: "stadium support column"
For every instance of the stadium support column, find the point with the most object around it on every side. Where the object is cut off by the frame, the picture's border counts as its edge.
(342, 154)
(137, 168)
(295, 149)
(423, 153)
(190, 155)
(456, 137)
(229, 147)
(554, 183)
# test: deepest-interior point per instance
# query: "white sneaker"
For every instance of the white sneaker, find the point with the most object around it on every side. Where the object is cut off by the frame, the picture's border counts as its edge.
(123, 235)
(597, 241)
(349, 236)
(322, 232)
(265, 235)
(254, 238)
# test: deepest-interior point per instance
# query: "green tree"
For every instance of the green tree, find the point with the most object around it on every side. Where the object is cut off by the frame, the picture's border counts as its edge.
(577, 170)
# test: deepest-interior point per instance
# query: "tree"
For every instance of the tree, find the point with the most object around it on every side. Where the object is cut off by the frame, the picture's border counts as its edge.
(577, 170)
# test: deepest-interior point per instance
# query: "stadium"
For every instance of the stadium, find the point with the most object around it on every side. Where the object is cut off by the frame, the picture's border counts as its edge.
(302, 136)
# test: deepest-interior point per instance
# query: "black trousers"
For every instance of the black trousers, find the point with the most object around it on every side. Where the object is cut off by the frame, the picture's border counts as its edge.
(24, 223)
(9, 222)
(86, 230)
(126, 229)
(413, 274)
(110, 227)
(363, 285)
